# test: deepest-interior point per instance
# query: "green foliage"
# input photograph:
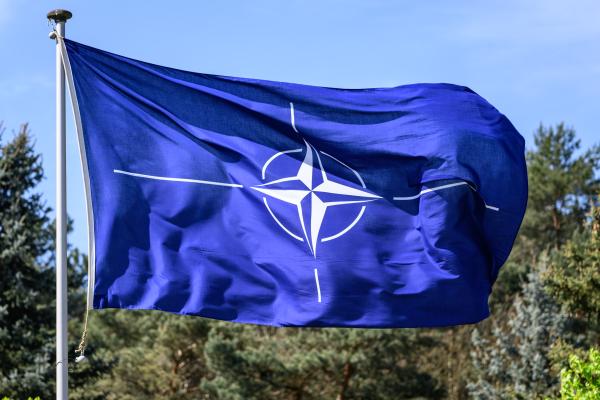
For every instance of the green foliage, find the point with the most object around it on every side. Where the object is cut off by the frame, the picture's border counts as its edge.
(28, 398)
(562, 183)
(143, 354)
(252, 362)
(27, 284)
(515, 361)
(581, 380)
(573, 278)
(562, 186)
(154, 355)
(26, 287)
(518, 357)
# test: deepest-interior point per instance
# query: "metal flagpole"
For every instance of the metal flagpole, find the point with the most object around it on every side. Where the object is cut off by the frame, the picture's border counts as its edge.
(60, 17)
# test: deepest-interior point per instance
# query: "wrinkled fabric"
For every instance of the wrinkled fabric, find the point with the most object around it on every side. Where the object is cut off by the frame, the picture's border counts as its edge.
(292, 205)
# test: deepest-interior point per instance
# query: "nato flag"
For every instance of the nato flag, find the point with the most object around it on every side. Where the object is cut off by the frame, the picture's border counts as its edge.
(291, 205)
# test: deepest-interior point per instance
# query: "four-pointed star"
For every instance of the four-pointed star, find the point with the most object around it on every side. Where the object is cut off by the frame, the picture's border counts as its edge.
(313, 190)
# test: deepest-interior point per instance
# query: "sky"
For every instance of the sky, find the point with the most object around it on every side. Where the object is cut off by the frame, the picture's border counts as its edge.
(537, 61)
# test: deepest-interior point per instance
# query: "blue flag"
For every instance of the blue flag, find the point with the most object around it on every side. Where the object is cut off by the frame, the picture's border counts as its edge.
(291, 205)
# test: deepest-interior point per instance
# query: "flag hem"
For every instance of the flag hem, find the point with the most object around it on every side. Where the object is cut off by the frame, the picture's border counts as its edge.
(84, 168)
(479, 314)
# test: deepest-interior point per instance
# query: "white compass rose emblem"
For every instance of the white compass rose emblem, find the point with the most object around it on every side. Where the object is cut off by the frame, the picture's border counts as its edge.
(312, 189)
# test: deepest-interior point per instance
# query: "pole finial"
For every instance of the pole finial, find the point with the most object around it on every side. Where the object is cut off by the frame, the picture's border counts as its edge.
(59, 15)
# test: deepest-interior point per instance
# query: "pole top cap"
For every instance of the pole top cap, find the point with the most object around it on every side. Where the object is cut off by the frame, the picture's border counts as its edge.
(59, 15)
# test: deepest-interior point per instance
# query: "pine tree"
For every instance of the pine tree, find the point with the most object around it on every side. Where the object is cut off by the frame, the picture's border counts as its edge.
(143, 355)
(515, 362)
(26, 266)
(26, 286)
(562, 185)
(268, 363)
(573, 280)
(573, 277)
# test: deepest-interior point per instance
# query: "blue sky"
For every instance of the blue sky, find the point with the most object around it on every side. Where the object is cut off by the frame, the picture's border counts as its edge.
(536, 61)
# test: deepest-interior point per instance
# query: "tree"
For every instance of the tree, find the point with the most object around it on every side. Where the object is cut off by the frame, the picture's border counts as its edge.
(562, 186)
(573, 277)
(143, 354)
(26, 287)
(573, 280)
(26, 267)
(267, 363)
(581, 379)
(516, 361)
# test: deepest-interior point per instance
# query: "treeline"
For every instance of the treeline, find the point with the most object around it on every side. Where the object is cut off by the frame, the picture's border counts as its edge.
(545, 318)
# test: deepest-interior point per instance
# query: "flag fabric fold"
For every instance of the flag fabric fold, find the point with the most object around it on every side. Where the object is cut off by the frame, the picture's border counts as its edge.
(292, 205)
